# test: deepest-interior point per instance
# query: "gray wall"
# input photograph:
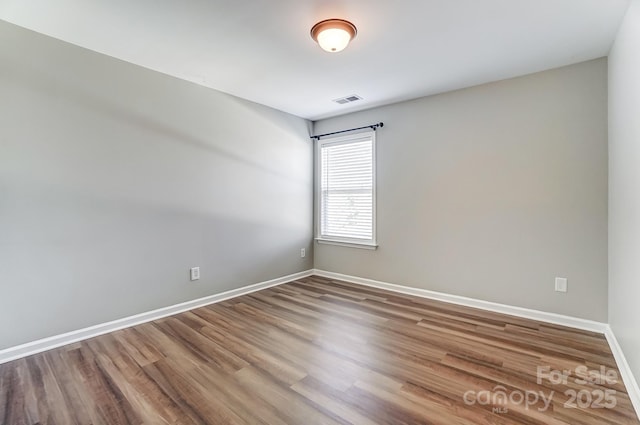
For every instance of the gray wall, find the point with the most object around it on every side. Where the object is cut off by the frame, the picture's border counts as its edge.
(115, 180)
(493, 191)
(624, 187)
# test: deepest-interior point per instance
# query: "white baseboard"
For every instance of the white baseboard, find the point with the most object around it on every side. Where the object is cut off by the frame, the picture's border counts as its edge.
(38, 346)
(543, 316)
(629, 380)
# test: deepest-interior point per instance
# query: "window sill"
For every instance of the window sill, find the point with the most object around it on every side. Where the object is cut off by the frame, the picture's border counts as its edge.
(360, 245)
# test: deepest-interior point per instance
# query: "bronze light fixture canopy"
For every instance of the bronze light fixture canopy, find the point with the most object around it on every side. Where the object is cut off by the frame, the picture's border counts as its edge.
(333, 35)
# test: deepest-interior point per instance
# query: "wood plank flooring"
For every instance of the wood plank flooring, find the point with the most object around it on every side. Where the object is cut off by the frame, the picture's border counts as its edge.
(320, 351)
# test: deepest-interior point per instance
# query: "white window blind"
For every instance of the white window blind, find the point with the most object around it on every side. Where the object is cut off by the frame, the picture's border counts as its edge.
(347, 189)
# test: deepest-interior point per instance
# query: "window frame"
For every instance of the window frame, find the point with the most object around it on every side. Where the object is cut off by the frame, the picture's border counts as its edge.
(335, 240)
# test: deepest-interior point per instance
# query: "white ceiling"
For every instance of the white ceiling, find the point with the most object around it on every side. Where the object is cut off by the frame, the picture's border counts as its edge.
(261, 49)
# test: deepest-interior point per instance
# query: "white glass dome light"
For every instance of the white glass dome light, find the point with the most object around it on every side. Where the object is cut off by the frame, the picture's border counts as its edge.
(333, 35)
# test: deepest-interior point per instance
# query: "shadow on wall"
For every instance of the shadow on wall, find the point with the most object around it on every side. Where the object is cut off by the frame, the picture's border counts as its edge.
(223, 115)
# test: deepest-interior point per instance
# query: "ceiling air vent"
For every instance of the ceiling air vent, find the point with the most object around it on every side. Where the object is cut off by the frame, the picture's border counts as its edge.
(347, 99)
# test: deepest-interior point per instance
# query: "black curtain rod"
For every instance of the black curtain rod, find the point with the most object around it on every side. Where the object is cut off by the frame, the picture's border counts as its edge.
(372, 127)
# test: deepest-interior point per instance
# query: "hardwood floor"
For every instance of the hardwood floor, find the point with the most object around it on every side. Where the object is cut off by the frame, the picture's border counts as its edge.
(319, 351)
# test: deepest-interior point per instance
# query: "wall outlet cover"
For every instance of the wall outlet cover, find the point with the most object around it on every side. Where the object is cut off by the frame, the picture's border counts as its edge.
(561, 284)
(195, 273)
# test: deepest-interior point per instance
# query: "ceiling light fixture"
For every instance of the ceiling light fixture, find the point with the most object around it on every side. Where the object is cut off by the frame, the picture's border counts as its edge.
(333, 35)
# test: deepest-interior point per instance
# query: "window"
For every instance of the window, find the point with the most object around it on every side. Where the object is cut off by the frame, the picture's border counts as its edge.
(345, 190)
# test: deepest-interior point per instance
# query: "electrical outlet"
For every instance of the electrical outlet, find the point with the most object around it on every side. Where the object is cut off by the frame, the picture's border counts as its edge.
(561, 284)
(303, 253)
(195, 273)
